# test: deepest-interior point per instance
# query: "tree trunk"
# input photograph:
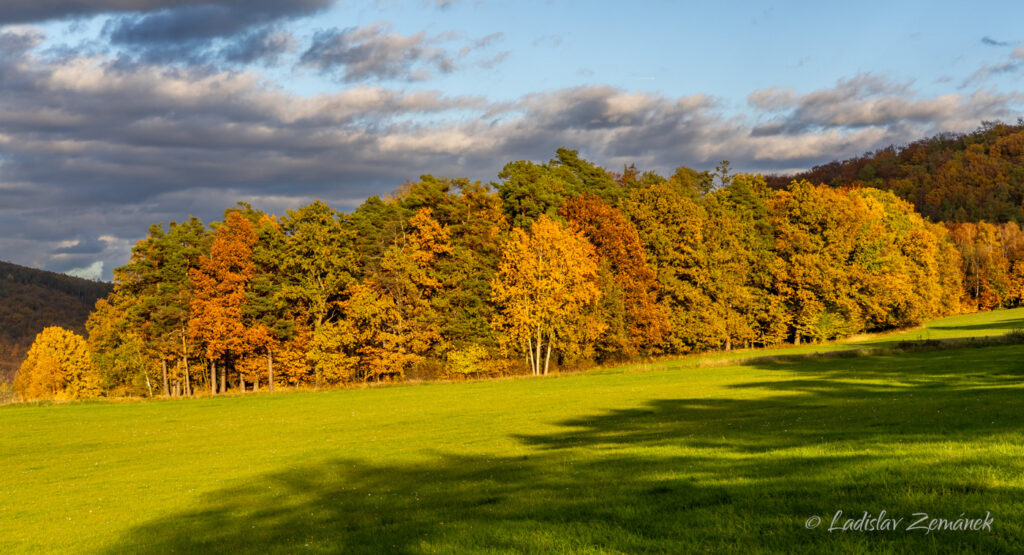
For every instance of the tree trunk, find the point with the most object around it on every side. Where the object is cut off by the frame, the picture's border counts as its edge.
(797, 341)
(224, 378)
(270, 371)
(547, 359)
(529, 354)
(184, 364)
(213, 378)
(728, 343)
(538, 347)
(167, 390)
(188, 378)
(149, 386)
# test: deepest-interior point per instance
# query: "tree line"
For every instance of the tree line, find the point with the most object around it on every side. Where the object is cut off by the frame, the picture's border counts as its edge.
(555, 265)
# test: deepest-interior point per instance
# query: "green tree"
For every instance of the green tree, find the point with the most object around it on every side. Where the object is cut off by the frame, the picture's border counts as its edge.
(156, 279)
(318, 264)
(118, 351)
(529, 190)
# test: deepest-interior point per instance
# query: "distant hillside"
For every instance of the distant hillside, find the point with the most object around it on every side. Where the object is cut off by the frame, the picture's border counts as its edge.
(972, 177)
(32, 299)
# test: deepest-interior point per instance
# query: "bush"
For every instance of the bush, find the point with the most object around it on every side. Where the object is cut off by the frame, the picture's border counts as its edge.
(468, 361)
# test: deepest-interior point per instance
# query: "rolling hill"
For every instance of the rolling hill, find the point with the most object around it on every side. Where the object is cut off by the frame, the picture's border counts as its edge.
(32, 299)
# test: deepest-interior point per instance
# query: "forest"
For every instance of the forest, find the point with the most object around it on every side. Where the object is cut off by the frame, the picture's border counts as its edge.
(971, 177)
(556, 265)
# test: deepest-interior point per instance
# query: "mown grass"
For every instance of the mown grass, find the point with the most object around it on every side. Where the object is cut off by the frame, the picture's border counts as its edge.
(731, 458)
(994, 325)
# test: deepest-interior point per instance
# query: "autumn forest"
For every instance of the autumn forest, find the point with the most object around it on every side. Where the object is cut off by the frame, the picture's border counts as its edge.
(557, 265)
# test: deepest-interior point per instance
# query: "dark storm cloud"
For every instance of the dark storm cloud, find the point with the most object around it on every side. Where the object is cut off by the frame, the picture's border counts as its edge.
(374, 52)
(33, 11)
(206, 21)
(187, 33)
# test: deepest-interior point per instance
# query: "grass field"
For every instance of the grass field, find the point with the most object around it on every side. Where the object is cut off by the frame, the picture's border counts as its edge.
(719, 458)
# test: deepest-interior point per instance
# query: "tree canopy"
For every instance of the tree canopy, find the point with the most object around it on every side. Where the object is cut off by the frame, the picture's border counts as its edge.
(558, 264)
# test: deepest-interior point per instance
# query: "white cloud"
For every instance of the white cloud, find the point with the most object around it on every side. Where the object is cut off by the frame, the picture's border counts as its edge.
(93, 271)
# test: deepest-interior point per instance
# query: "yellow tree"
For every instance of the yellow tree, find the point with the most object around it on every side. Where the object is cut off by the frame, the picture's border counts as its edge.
(57, 367)
(546, 287)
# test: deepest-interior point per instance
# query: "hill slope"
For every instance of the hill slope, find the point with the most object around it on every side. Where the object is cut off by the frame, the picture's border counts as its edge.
(972, 177)
(32, 299)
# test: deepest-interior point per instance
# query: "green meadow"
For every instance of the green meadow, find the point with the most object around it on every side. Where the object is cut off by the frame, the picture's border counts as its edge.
(703, 454)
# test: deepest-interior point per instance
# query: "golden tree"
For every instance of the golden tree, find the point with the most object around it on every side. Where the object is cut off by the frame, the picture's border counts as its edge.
(546, 286)
(57, 367)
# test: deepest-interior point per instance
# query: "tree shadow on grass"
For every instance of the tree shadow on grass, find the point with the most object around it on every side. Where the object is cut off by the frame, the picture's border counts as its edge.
(674, 475)
(998, 326)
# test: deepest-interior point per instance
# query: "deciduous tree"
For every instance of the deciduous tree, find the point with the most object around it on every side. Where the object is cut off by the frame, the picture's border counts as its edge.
(546, 289)
(57, 367)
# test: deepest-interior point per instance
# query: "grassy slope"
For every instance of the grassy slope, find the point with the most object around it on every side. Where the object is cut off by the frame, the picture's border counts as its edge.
(979, 325)
(714, 458)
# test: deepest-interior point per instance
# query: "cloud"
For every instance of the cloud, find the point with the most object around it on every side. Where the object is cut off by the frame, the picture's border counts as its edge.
(93, 151)
(171, 11)
(80, 246)
(870, 101)
(93, 271)
(188, 32)
(16, 40)
(35, 11)
(989, 41)
(1014, 64)
(374, 52)
(547, 41)
(263, 45)
(206, 21)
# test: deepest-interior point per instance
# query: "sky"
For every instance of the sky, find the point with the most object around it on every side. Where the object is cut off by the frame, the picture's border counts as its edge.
(119, 114)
